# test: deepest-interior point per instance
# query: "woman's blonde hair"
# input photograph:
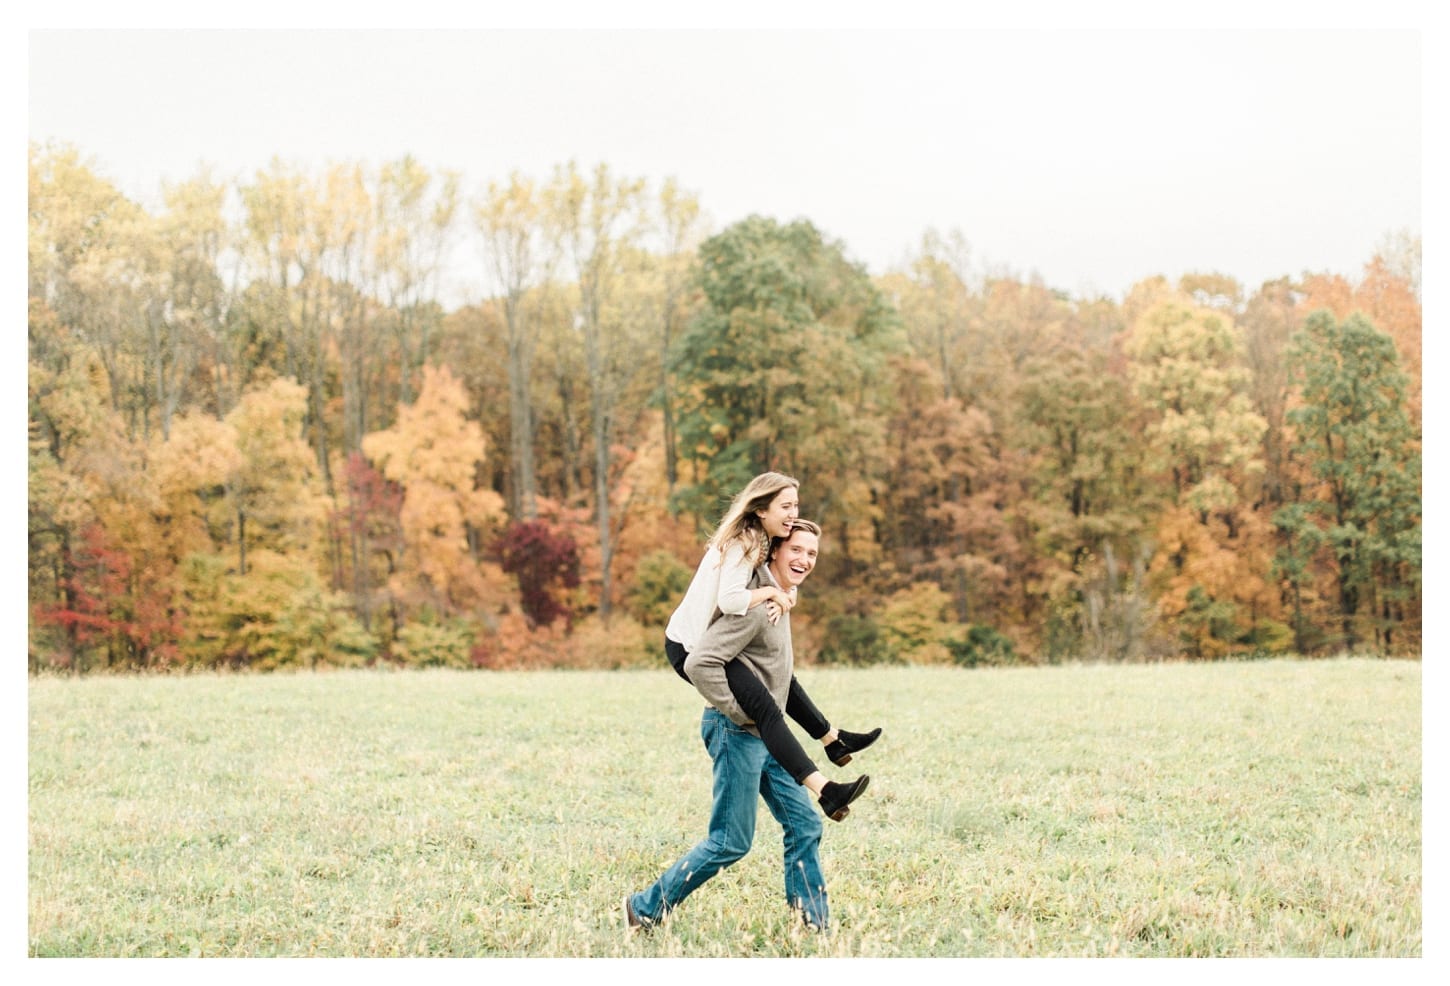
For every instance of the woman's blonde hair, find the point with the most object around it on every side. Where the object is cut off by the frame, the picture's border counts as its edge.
(740, 523)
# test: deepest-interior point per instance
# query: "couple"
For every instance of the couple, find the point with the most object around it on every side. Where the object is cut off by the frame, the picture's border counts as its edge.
(730, 637)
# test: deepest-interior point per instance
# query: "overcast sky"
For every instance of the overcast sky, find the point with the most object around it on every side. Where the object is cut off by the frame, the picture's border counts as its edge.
(1093, 158)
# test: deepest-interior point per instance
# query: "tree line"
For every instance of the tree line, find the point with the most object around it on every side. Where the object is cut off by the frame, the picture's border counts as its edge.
(260, 439)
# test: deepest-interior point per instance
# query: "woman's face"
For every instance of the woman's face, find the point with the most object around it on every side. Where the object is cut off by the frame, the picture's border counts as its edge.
(782, 511)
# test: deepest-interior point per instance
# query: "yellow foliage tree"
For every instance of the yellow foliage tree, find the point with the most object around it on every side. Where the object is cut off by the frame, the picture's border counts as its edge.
(190, 470)
(1204, 439)
(274, 490)
(434, 452)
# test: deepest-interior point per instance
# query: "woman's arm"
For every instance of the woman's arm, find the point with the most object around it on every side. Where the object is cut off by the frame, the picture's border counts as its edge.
(733, 597)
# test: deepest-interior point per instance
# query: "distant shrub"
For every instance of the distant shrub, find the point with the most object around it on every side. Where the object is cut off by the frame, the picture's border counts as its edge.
(423, 645)
(914, 624)
(981, 645)
(623, 642)
(854, 640)
(660, 581)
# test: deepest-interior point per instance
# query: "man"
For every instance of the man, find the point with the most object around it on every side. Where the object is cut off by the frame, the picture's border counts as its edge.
(742, 766)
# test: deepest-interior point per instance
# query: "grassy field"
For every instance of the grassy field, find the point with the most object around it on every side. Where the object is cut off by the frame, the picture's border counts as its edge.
(1254, 809)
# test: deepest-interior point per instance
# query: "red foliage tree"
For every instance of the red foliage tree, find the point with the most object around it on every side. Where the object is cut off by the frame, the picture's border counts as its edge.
(367, 536)
(543, 560)
(109, 608)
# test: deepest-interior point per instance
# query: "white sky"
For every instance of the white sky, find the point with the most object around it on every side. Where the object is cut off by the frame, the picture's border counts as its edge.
(1091, 157)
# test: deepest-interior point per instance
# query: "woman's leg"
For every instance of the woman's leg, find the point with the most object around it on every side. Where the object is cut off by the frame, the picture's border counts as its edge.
(755, 699)
(798, 706)
(839, 745)
(676, 654)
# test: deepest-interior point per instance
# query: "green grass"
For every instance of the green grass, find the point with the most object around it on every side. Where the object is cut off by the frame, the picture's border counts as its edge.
(1253, 809)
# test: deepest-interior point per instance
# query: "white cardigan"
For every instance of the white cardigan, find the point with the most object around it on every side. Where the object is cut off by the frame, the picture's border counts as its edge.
(716, 585)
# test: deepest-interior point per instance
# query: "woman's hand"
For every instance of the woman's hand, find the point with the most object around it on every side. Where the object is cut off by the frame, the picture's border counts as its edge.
(778, 602)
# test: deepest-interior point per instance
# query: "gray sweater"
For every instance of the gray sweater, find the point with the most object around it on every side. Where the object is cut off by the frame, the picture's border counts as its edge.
(751, 637)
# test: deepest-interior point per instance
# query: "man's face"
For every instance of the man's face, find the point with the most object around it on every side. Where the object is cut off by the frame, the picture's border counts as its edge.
(795, 558)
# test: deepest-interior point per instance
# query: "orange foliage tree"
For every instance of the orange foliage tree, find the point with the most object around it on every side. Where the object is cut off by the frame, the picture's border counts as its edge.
(434, 453)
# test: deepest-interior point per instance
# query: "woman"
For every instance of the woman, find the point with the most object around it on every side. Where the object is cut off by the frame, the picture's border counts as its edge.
(764, 510)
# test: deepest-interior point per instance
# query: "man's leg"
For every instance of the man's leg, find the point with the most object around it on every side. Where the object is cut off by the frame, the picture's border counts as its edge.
(738, 758)
(805, 883)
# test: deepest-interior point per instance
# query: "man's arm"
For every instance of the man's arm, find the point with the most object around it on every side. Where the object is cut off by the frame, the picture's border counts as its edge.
(727, 637)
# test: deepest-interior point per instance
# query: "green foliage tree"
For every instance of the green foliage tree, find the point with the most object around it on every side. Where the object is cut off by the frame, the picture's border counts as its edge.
(1086, 495)
(1362, 505)
(782, 369)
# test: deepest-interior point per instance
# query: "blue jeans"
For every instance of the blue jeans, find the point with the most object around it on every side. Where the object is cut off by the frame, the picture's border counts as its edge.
(743, 769)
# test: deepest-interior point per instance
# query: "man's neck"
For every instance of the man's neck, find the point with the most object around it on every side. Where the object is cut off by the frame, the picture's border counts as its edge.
(780, 583)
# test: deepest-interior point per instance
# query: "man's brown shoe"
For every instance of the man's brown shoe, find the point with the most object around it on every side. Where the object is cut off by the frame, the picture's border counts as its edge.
(631, 922)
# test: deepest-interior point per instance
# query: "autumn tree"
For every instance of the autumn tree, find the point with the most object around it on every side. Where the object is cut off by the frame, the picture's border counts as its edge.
(305, 238)
(433, 453)
(416, 210)
(192, 356)
(274, 495)
(99, 590)
(679, 232)
(1084, 507)
(519, 256)
(940, 516)
(600, 222)
(940, 304)
(1213, 290)
(1204, 439)
(544, 560)
(93, 263)
(1269, 320)
(244, 451)
(367, 524)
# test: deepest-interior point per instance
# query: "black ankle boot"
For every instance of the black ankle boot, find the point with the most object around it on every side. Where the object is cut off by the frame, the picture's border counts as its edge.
(836, 797)
(847, 743)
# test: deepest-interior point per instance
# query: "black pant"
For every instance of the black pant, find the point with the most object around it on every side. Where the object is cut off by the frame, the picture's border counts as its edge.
(757, 702)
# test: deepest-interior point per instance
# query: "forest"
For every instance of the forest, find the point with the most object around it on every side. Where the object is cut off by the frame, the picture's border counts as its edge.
(261, 436)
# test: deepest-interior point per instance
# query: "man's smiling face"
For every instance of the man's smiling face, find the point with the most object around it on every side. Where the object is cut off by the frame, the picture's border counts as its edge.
(795, 558)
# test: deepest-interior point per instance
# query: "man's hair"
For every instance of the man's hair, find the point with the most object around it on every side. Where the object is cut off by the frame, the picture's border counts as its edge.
(800, 524)
(809, 526)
